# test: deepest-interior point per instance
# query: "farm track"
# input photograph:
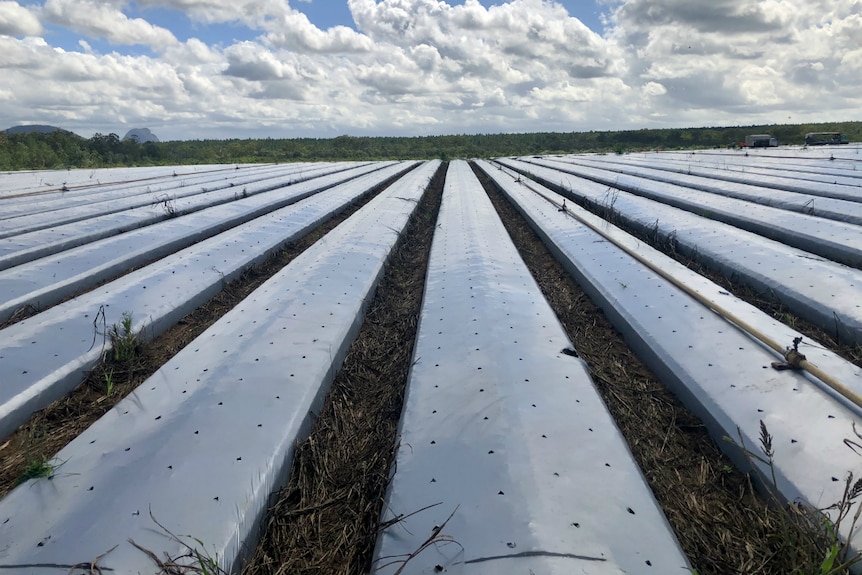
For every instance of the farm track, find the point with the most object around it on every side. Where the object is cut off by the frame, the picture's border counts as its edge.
(723, 524)
(325, 520)
(50, 429)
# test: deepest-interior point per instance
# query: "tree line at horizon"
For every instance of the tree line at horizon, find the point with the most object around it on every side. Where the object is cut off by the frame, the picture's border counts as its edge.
(61, 149)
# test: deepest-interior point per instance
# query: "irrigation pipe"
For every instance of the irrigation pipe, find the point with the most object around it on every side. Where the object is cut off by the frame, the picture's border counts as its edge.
(791, 355)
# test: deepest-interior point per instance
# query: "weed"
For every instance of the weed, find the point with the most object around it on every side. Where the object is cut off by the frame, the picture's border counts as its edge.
(436, 538)
(654, 232)
(193, 561)
(123, 339)
(607, 207)
(816, 525)
(836, 559)
(109, 382)
(671, 243)
(169, 207)
(39, 468)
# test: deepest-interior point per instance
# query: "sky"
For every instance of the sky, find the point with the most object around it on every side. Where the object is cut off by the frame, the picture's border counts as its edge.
(200, 69)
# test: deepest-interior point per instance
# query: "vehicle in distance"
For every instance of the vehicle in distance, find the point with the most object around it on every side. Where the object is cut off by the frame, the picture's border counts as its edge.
(760, 141)
(825, 138)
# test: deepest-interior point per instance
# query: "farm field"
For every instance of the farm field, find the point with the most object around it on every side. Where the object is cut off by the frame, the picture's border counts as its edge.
(543, 363)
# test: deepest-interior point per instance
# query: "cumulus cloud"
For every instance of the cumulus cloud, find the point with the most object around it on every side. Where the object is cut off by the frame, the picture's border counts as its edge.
(517, 34)
(293, 30)
(734, 60)
(252, 12)
(16, 20)
(728, 17)
(430, 66)
(101, 20)
(55, 86)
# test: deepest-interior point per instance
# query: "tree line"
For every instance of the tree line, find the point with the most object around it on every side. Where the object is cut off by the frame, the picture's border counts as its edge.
(61, 149)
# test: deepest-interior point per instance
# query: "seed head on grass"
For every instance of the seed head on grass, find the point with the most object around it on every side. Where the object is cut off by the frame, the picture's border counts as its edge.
(766, 442)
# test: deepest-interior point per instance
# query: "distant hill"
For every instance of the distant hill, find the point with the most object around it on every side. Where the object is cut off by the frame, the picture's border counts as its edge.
(140, 135)
(39, 128)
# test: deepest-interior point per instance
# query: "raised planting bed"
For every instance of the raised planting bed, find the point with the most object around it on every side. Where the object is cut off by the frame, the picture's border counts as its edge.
(824, 226)
(199, 447)
(45, 356)
(508, 460)
(43, 282)
(720, 371)
(28, 183)
(176, 200)
(822, 291)
(733, 181)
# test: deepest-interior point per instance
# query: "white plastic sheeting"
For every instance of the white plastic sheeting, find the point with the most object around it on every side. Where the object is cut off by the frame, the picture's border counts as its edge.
(717, 370)
(821, 291)
(505, 432)
(749, 186)
(180, 200)
(48, 280)
(820, 184)
(205, 440)
(44, 356)
(837, 240)
(95, 191)
(816, 160)
(38, 182)
(27, 246)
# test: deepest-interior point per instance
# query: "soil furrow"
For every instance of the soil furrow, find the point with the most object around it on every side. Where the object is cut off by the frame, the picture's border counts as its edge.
(325, 520)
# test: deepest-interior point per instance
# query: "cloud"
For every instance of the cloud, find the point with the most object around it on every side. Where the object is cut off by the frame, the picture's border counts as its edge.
(68, 88)
(254, 13)
(735, 60)
(519, 34)
(726, 17)
(252, 62)
(16, 20)
(293, 30)
(101, 20)
(430, 66)
(654, 89)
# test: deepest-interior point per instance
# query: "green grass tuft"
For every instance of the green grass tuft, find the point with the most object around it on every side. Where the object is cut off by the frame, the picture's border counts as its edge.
(39, 468)
(123, 339)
